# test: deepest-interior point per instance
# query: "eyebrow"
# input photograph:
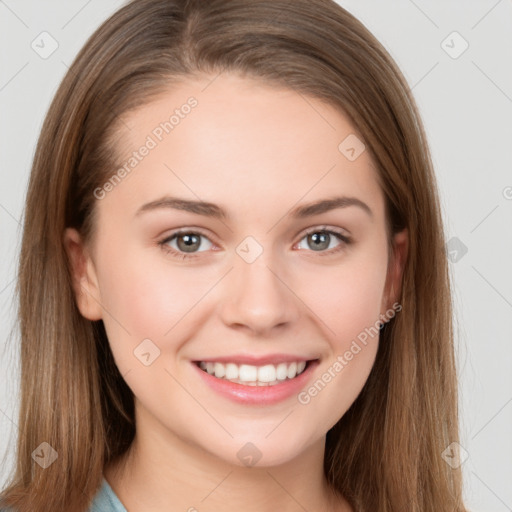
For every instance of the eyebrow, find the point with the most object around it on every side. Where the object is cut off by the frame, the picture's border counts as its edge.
(215, 211)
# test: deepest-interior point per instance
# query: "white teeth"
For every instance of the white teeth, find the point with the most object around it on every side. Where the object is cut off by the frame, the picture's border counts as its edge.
(231, 371)
(249, 375)
(292, 370)
(267, 373)
(282, 371)
(220, 370)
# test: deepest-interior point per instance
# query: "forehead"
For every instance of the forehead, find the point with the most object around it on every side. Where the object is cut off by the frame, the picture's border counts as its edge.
(241, 143)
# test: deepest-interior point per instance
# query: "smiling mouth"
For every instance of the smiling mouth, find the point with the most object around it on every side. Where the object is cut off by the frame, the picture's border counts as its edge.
(251, 375)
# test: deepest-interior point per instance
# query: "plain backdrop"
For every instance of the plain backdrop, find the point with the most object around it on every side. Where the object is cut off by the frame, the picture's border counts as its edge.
(457, 58)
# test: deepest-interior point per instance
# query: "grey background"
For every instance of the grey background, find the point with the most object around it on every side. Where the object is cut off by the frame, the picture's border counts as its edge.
(466, 104)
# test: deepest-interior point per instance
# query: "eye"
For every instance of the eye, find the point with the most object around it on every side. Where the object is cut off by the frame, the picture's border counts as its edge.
(322, 239)
(188, 243)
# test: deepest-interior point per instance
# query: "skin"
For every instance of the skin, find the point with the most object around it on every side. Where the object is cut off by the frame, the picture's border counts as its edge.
(258, 151)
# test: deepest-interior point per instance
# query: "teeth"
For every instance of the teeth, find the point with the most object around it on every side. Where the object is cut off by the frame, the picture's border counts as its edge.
(248, 373)
(268, 375)
(282, 371)
(231, 371)
(292, 370)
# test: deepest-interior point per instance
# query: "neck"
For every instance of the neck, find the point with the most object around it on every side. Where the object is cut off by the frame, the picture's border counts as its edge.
(162, 472)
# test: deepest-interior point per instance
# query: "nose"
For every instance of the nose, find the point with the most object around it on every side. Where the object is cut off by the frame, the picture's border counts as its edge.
(258, 299)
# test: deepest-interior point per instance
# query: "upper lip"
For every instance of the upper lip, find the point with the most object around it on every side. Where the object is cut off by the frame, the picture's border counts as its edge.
(256, 360)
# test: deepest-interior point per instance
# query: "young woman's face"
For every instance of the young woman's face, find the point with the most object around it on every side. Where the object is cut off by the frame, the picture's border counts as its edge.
(270, 282)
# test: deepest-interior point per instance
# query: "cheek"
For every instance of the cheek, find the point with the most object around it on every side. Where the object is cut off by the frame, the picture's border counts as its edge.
(340, 377)
(144, 300)
(347, 299)
(347, 303)
(149, 299)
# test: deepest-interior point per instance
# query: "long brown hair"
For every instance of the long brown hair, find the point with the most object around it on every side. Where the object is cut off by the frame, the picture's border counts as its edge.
(385, 453)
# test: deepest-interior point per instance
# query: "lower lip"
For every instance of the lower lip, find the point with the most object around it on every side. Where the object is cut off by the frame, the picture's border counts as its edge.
(258, 395)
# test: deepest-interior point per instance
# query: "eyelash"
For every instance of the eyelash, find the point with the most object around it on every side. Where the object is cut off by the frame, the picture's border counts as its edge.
(346, 240)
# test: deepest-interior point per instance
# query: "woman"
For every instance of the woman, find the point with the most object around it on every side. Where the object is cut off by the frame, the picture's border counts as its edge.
(232, 283)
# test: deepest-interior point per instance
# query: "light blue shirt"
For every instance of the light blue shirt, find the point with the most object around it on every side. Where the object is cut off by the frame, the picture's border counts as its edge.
(106, 500)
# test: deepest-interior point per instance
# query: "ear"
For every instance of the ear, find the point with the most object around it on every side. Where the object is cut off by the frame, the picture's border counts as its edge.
(83, 275)
(398, 258)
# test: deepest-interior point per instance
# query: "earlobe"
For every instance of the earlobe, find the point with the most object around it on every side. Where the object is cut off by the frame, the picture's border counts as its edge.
(83, 275)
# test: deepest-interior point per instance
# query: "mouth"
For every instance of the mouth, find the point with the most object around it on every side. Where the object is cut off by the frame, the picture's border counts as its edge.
(256, 375)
